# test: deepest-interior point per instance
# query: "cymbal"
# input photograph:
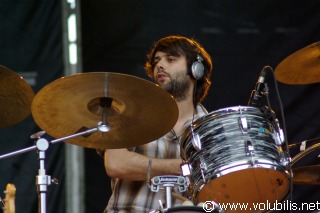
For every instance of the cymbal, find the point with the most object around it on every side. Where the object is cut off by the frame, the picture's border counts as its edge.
(137, 110)
(309, 175)
(301, 67)
(15, 97)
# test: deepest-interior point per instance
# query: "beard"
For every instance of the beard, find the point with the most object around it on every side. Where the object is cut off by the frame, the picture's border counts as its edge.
(178, 86)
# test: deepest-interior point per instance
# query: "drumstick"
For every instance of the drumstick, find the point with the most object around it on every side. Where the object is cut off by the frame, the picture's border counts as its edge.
(179, 197)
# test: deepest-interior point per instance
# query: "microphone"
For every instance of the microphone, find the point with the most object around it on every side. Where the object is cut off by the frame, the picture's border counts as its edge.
(256, 94)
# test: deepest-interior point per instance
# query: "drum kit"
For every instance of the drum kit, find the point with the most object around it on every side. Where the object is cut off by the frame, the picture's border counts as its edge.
(233, 155)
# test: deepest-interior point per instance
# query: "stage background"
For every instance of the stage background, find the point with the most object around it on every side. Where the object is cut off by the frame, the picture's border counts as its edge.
(241, 36)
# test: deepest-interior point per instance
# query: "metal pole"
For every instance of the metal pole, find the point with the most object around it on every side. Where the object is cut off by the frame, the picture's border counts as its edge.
(74, 163)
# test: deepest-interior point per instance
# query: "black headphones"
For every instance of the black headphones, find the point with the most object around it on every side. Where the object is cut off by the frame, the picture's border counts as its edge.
(197, 68)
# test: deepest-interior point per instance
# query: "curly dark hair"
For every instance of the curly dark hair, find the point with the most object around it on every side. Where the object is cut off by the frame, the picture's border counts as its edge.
(190, 48)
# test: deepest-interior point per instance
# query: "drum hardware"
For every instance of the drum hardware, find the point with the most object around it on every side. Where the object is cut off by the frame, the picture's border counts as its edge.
(37, 135)
(42, 180)
(279, 133)
(168, 182)
(203, 168)
(256, 94)
(187, 205)
(196, 143)
(303, 144)
(185, 169)
(243, 122)
(262, 88)
(16, 96)
(41, 145)
(249, 149)
(269, 114)
(285, 159)
(301, 67)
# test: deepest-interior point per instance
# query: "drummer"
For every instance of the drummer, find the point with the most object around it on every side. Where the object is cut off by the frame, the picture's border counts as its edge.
(182, 67)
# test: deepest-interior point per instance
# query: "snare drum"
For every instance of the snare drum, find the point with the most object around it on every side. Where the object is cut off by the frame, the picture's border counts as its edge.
(235, 157)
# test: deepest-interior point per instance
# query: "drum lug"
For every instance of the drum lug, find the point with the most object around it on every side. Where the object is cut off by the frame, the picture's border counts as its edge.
(279, 133)
(186, 169)
(249, 148)
(284, 159)
(244, 124)
(203, 168)
(196, 143)
(203, 164)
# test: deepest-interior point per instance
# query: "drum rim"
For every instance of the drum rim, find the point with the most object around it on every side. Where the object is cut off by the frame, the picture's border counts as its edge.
(229, 110)
(211, 115)
(273, 167)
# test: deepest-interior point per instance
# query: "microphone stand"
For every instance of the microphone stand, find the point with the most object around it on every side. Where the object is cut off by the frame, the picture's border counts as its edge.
(43, 180)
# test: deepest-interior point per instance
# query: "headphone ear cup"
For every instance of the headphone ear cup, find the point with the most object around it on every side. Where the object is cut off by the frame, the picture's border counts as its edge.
(197, 70)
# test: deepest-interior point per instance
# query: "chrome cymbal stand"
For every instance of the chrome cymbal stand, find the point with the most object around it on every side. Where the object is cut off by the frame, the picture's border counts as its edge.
(43, 180)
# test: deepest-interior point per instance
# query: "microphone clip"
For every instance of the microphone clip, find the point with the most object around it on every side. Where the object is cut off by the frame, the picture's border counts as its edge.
(259, 90)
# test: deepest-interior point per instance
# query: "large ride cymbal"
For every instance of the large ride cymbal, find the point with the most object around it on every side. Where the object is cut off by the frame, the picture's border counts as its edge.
(138, 111)
(309, 175)
(301, 67)
(15, 98)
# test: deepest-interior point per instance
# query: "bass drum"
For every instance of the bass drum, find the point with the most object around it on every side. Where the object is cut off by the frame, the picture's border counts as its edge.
(236, 159)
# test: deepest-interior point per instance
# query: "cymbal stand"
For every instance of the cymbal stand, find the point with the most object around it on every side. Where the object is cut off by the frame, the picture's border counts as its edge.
(42, 180)
(100, 127)
(42, 144)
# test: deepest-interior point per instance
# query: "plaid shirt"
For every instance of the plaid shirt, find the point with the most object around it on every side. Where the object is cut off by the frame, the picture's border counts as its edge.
(136, 196)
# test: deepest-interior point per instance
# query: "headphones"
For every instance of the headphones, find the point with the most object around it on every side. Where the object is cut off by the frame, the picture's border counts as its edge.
(197, 68)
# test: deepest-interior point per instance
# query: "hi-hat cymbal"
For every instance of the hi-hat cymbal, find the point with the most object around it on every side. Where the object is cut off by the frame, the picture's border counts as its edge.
(309, 175)
(301, 67)
(138, 111)
(15, 98)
